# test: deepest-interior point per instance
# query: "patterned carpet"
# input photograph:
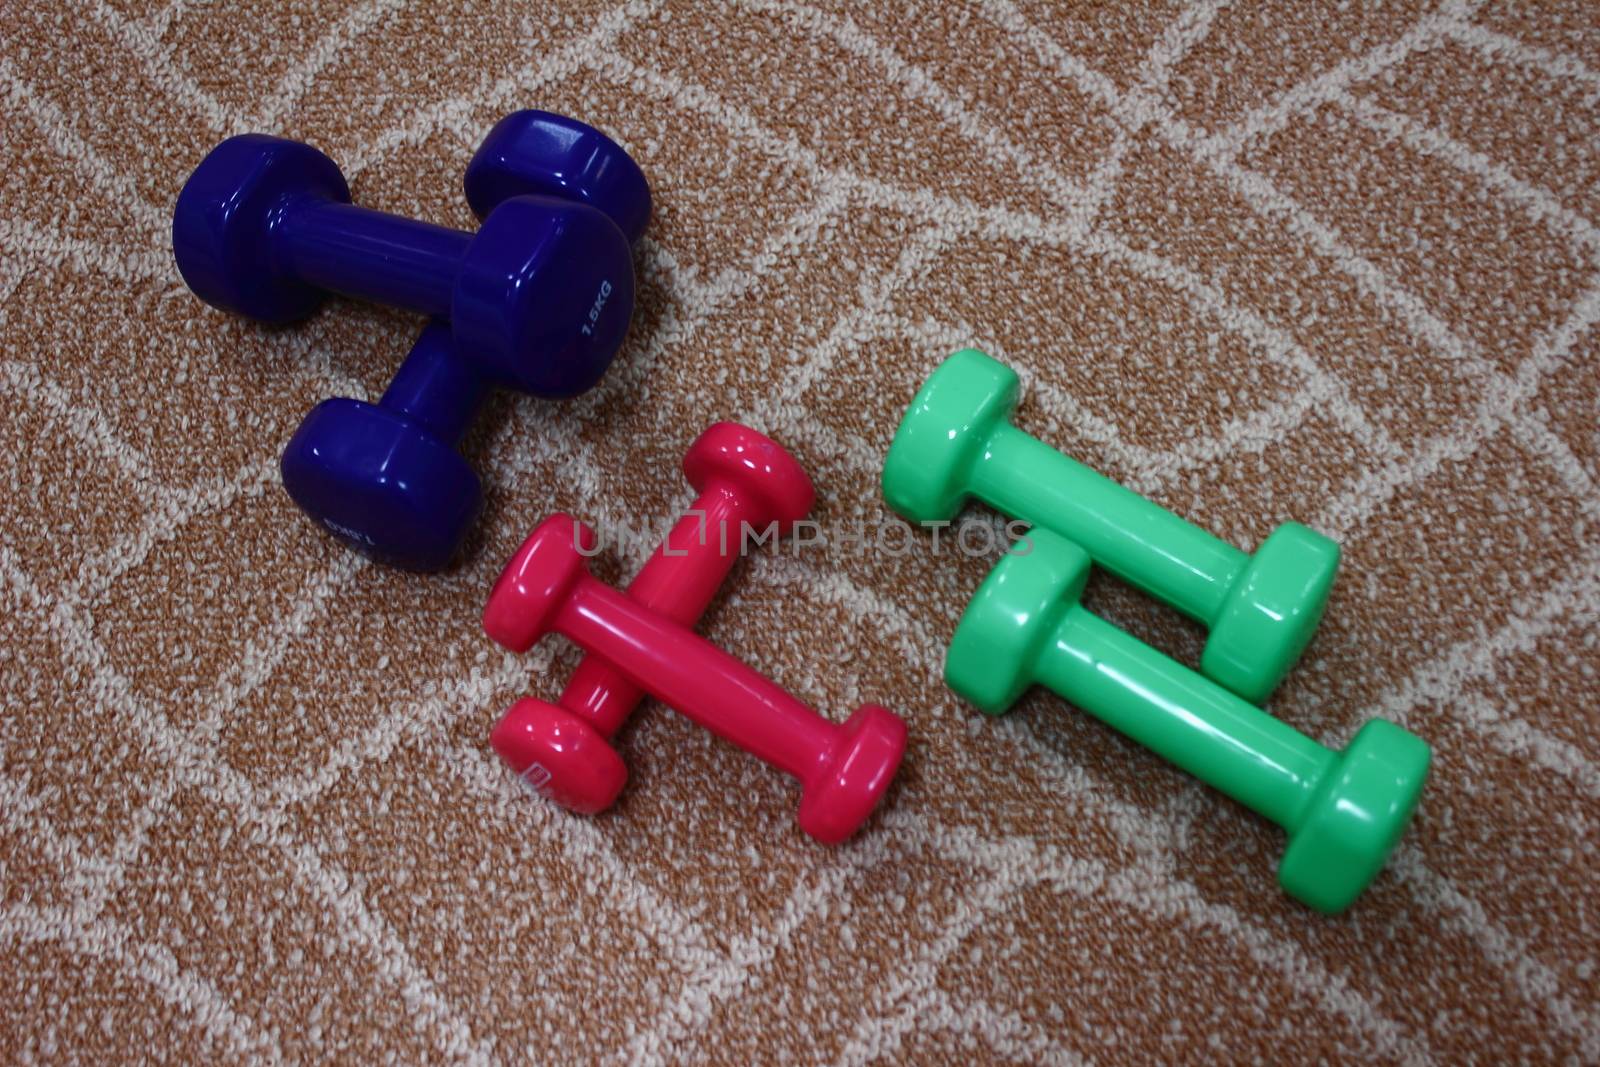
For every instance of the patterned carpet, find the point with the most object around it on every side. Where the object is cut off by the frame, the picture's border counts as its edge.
(1325, 262)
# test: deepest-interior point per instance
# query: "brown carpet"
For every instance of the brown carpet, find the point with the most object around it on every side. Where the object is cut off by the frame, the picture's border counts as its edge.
(1323, 262)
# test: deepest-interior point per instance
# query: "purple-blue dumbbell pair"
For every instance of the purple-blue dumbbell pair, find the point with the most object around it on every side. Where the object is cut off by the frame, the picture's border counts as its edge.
(538, 300)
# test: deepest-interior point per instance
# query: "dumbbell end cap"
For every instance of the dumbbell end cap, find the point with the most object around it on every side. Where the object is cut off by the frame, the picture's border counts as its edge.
(860, 767)
(1271, 612)
(544, 296)
(545, 154)
(381, 484)
(559, 756)
(926, 475)
(1355, 817)
(536, 582)
(223, 221)
(762, 472)
(1010, 619)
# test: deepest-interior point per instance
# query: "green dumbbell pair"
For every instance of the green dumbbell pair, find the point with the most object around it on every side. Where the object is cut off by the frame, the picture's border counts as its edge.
(1344, 811)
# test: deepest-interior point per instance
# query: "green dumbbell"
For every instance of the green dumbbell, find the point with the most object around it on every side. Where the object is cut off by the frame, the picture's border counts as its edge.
(1344, 811)
(956, 441)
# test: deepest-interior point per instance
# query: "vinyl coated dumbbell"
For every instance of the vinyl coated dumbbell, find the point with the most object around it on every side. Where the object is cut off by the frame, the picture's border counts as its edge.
(956, 441)
(562, 751)
(1344, 811)
(386, 478)
(540, 295)
(843, 769)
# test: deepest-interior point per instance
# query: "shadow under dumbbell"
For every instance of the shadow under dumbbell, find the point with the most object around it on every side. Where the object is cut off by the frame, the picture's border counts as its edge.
(362, 342)
(605, 412)
(478, 448)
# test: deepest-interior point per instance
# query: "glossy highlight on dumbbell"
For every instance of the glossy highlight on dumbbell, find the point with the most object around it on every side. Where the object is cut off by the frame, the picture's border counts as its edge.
(1344, 811)
(541, 294)
(843, 769)
(386, 478)
(956, 441)
(743, 479)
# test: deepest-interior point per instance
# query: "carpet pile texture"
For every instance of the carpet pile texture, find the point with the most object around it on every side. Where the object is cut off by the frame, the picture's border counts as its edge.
(1327, 262)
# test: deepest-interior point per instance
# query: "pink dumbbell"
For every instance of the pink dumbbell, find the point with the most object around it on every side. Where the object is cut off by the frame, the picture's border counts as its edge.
(743, 478)
(843, 770)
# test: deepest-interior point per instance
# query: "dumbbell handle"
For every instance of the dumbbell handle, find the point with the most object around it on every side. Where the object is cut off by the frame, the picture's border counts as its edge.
(678, 581)
(369, 254)
(1140, 542)
(435, 387)
(1221, 739)
(704, 683)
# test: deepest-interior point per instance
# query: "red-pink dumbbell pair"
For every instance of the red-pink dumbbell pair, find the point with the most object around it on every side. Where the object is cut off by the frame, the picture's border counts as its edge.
(640, 642)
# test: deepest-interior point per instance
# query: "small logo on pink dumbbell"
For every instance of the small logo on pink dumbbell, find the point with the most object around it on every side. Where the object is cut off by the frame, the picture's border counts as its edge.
(537, 778)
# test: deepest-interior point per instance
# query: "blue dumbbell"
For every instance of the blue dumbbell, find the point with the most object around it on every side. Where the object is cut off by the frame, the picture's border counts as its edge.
(538, 301)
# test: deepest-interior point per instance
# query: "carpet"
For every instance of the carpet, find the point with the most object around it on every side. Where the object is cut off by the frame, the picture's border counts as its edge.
(1324, 262)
